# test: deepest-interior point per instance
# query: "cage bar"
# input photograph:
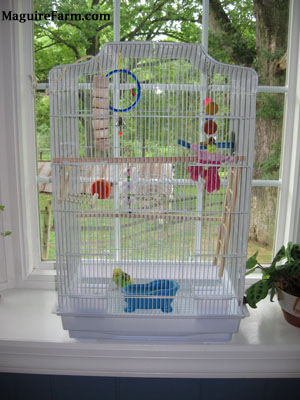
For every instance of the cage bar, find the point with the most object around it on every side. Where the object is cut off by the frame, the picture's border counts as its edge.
(152, 154)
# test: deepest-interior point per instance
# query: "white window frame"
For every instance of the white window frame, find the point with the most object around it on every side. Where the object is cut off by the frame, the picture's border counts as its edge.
(288, 216)
(22, 265)
(18, 187)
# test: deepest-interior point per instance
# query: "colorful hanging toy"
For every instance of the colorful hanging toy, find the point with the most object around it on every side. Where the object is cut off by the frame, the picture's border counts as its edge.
(210, 127)
(117, 71)
(102, 188)
(207, 152)
(209, 172)
(135, 92)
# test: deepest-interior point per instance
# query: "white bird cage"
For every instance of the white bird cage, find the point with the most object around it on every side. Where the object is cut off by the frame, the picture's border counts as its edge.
(152, 153)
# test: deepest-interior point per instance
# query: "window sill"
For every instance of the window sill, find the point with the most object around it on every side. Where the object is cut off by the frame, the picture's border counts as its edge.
(32, 341)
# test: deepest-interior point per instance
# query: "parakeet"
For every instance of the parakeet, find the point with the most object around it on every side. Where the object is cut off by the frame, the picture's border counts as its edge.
(121, 279)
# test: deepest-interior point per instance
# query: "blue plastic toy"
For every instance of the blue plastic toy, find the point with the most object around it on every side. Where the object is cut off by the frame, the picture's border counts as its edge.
(138, 88)
(219, 145)
(151, 294)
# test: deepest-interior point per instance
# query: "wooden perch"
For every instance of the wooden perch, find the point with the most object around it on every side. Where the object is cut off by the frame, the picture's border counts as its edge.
(100, 119)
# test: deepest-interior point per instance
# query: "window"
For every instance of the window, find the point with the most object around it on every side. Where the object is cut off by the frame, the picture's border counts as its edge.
(18, 184)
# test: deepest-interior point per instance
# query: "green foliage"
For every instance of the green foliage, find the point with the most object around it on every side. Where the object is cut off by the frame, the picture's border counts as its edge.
(7, 232)
(42, 122)
(270, 106)
(161, 20)
(236, 41)
(273, 274)
(62, 42)
(257, 292)
(270, 167)
(251, 262)
(43, 200)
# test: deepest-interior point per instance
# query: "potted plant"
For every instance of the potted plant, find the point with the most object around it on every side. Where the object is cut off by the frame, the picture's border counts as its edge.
(283, 277)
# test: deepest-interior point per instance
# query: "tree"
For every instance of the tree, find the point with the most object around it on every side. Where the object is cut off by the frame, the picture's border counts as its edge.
(242, 32)
(271, 44)
(262, 27)
(67, 40)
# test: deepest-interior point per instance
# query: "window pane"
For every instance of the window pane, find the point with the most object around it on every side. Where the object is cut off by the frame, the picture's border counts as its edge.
(236, 36)
(262, 222)
(268, 136)
(267, 157)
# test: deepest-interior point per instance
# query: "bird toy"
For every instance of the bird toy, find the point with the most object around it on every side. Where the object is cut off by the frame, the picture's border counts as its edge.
(209, 175)
(138, 96)
(210, 127)
(211, 159)
(102, 188)
(134, 92)
(204, 145)
(128, 182)
(120, 123)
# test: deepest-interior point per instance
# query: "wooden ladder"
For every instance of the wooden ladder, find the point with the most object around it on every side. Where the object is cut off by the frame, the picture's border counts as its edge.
(225, 225)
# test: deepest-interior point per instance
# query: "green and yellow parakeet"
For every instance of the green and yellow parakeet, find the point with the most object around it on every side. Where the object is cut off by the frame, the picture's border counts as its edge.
(121, 279)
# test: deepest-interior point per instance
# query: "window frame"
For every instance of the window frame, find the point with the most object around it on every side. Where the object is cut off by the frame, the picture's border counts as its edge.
(18, 185)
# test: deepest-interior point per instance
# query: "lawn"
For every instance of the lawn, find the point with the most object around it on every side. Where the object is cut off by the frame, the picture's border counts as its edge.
(151, 239)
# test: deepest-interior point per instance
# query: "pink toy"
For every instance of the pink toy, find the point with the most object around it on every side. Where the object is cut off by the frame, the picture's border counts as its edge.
(207, 100)
(209, 175)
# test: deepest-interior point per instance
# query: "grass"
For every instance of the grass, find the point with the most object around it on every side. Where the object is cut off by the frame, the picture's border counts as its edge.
(265, 253)
(151, 239)
(43, 198)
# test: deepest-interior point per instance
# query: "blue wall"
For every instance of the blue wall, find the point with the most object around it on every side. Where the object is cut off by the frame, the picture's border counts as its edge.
(46, 387)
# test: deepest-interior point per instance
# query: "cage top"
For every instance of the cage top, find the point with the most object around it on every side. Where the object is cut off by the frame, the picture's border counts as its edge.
(110, 53)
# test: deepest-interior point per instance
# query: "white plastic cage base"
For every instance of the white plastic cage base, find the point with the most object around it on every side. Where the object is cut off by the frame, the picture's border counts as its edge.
(205, 309)
(210, 329)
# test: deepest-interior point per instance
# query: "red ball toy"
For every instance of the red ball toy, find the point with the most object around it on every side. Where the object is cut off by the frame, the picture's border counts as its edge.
(102, 188)
(210, 127)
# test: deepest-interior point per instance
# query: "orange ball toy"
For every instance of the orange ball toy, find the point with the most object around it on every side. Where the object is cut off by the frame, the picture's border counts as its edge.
(211, 108)
(102, 188)
(210, 127)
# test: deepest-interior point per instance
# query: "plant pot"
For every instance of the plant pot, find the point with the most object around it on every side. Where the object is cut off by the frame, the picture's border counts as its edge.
(290, 306)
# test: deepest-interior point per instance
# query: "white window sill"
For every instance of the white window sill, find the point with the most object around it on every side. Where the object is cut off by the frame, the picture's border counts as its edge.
(32, 341)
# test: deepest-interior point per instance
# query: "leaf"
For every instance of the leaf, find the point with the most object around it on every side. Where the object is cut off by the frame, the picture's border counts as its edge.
(288, 251)
(279, 256)
(5, 233)
(294, 269)
(257, 292)
(251, 271)
(252, 261)
(295, 252)
(1, 207)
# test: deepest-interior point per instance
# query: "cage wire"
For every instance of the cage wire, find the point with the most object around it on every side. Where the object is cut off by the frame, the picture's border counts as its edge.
(152, 153)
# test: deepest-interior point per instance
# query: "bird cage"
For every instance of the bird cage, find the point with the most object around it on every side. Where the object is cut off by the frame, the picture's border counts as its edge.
(152, 153)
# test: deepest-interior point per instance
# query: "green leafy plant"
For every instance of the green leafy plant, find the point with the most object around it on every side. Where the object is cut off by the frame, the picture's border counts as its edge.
(283, 273)
(7, 232)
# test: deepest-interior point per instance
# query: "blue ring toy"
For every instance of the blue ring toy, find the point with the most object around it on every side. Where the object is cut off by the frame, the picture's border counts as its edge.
(138, 87)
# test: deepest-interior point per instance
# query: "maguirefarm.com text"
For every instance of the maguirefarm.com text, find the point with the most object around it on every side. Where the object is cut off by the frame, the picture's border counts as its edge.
(53, 16)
